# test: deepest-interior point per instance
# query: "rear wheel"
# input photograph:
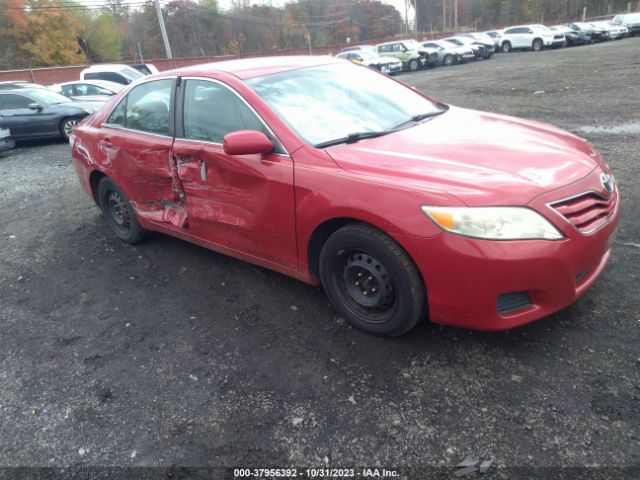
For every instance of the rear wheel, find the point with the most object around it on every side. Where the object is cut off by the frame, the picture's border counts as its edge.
(448, 60)
(67, 125)
(372, 281)
(118, 212)
(506, 47)
(413, 65)
(537, 45)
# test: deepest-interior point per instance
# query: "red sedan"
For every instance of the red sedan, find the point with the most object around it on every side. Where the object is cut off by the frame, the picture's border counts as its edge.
(402, 207)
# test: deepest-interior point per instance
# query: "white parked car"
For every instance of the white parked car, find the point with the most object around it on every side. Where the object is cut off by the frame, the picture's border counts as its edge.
(615, 31)
(526, 37)
(114, 72)
(496, 35)
(629, 20)
(373, 60)
(88, 90)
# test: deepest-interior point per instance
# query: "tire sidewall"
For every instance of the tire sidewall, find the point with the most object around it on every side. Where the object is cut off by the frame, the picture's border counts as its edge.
(407, 307)
(506, 47)
(135, 233)
(537, 43)
(413, 65)
(448, 60)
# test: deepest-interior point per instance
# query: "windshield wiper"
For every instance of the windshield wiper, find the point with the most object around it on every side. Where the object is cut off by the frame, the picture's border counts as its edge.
(352, 138)
(417, 119)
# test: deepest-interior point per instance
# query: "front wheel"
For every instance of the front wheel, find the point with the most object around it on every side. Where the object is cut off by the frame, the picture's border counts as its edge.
(448, 60)
(66, 127)
(413, 65)
(118, 212)
(537, 45)
(372, 281)
(506, 47)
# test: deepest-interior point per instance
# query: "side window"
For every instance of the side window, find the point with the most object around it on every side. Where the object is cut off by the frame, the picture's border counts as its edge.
(67, 90)
(149, 107)
(9, 102)
(510, 31)
(118, 116)
(212, 110)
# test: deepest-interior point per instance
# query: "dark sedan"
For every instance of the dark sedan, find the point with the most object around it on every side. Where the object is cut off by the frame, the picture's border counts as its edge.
(37, 113)
(6, 142)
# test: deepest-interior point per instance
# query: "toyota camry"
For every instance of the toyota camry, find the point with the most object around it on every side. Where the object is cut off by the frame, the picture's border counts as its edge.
(402, 207)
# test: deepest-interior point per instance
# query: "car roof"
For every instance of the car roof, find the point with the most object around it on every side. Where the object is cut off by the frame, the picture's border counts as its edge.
(106, 67)
(254, 67)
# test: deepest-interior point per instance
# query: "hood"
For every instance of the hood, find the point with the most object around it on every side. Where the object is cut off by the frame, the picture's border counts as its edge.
(480, 158)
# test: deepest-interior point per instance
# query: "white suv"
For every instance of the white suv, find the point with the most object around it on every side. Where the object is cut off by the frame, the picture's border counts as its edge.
(115, 72)
(525, 37)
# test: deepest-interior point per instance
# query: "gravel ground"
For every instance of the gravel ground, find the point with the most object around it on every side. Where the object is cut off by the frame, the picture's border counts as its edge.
(167, 354)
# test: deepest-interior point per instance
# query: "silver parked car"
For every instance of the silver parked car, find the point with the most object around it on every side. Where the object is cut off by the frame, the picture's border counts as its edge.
(448, 54)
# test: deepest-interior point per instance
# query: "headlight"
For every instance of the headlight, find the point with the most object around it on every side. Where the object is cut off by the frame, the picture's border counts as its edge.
(495, 223)
(90, 110)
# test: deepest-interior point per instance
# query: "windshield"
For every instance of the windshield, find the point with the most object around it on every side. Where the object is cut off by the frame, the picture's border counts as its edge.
(132, 73)
(333, 101)
(47, 97)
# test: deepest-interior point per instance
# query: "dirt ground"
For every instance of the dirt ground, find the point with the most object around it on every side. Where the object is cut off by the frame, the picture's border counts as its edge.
(166, 354)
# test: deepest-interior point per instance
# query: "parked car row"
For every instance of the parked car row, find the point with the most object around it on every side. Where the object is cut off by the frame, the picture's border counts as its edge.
(30, 110)
(468, 46)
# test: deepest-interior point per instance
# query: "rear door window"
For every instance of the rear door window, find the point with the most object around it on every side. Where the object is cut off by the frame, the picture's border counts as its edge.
(147, 108)
(13, 102)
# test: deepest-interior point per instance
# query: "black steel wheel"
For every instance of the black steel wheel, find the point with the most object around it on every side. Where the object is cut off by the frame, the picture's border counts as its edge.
(372, 281)
(118, 212)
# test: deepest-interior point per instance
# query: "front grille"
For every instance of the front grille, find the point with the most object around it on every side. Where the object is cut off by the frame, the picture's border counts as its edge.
(558, 36)
(512, 302)
(587, 212)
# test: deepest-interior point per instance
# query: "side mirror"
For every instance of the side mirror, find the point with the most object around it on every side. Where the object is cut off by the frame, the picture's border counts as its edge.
(35, 106)
(247, 142)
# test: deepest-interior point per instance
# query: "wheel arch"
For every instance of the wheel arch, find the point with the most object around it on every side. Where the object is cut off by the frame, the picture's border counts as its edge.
(325, 229)
(94, 181)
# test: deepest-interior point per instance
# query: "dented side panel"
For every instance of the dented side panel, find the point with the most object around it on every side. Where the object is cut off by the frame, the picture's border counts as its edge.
(242, 202)
(143, 167)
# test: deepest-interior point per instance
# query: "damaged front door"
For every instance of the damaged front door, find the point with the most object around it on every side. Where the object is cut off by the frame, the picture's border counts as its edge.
(137, 142)
(242, 202)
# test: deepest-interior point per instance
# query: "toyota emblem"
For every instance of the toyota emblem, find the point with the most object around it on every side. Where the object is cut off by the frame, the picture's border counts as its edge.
(607, 181)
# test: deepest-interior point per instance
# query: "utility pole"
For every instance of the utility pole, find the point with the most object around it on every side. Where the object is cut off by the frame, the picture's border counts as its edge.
(444, 15)
(455, 15)
(163, 30)
(584, 13)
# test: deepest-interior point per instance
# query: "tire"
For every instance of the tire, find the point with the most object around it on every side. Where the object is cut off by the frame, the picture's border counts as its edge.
(448, 60)
(372, 281)
(414, 65)
(537, 45)
(118, 212)
(506, 47)
(67, 125)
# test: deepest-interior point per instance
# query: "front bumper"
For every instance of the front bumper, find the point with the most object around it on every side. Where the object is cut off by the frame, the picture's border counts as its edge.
(467, 279)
